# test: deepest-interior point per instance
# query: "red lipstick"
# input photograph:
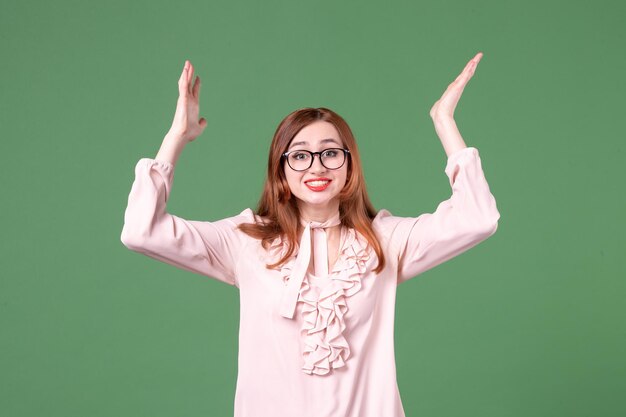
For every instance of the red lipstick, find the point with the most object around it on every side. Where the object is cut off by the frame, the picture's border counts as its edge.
(320, 187)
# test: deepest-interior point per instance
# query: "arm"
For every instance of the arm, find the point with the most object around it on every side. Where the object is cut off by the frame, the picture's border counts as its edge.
(186, 126)
(442, 112)
(207, 248)
(467, 218)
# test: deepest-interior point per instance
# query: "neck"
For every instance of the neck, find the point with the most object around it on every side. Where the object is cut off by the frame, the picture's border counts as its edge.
(318, 214)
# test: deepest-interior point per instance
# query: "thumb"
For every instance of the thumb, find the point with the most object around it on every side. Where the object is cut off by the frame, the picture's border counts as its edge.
(202, 122)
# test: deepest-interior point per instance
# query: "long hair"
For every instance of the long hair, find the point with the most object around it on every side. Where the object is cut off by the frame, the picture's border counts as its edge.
(279, 207)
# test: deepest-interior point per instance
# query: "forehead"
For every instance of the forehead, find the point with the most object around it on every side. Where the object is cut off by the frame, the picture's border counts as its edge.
(317, 134)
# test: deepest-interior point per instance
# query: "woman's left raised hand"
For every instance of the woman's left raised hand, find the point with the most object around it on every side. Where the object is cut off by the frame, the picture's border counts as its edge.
(444, 107)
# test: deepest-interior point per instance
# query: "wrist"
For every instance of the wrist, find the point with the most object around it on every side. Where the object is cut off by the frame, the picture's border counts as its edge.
(171, 148)
(443, 119)
(175, 138)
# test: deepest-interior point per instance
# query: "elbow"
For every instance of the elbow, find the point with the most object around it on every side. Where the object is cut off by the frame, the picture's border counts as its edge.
(489, 225)
(489, 217)
(131, 240)
(480, 228)
(495, 218)
(491, 229)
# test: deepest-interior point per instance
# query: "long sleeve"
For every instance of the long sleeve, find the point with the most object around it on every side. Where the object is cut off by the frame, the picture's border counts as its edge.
(206, 248)
(459, 223)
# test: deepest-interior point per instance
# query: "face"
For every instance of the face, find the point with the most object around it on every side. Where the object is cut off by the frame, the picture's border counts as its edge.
(316, 137)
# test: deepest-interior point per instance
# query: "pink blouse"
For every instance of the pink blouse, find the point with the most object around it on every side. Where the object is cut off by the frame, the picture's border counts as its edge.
(325, 348)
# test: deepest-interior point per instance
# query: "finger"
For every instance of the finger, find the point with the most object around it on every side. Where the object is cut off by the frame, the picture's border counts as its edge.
(190, 78)
(196, 87)
(475, 59)
(474, 62)
(467, 72)
(183, 74)
(460, 80)
(182, 81)
(469, 67)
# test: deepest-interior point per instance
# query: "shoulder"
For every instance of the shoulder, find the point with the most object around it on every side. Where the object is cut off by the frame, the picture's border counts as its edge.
(394, 229)
(386, 223)
(246, 216)
(232, 223)
(383, 219)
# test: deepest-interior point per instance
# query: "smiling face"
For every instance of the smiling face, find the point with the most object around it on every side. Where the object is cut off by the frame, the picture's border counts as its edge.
(321, 201)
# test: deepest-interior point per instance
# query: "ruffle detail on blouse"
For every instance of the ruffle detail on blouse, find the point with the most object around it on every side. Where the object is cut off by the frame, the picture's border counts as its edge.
(323, 309)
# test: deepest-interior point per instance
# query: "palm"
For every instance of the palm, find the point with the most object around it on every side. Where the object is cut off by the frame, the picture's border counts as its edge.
(445, 106)
(186, 123)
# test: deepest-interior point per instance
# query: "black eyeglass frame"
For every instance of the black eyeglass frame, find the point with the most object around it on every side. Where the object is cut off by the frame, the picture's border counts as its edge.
(346, 153)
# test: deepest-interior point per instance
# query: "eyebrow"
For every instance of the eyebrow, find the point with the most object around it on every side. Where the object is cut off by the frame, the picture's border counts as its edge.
(306, 143)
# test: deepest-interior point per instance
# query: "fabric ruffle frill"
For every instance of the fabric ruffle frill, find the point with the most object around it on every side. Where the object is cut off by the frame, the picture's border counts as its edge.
(323, 310)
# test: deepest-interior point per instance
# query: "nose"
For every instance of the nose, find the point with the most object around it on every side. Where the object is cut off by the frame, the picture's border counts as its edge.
(317, 164)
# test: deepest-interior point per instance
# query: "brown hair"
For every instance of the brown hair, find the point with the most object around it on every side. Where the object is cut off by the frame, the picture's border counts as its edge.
(280, 209)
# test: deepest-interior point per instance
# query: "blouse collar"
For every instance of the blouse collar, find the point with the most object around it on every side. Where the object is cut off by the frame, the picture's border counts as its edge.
(320, 258)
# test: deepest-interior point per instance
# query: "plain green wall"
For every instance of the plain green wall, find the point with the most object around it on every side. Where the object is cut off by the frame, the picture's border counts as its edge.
(530, 322)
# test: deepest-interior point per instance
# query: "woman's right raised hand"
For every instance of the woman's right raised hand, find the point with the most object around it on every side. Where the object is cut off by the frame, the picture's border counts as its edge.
(186, 124)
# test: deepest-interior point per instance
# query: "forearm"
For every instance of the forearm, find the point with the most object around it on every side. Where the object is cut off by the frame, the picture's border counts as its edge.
(449, 134)
(171, 148)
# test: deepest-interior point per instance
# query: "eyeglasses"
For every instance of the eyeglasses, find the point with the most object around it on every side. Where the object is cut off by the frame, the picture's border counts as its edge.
(301, 160)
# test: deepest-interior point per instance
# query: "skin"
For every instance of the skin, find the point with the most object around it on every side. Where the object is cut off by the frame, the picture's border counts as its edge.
(187, 126)
(442, 112)
(318, 205)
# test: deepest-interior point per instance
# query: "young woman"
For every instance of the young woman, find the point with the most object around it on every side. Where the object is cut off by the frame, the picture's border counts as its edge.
(315, 264)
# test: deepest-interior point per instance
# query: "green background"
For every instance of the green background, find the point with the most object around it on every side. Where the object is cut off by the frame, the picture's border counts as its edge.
(530, 322)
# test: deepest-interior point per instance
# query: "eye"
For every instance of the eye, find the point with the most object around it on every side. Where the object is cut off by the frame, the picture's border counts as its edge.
(300, 156)
(330, 152)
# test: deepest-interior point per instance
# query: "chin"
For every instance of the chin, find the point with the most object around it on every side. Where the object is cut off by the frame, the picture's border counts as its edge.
(313, 202)
(317, 202)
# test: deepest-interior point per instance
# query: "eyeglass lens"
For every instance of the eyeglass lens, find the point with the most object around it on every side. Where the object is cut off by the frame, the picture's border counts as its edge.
(330, 158)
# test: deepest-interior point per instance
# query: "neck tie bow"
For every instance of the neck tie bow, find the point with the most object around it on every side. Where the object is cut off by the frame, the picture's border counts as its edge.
(301, 264)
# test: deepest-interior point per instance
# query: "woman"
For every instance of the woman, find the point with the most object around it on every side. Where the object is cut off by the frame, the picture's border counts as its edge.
(315, 264)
